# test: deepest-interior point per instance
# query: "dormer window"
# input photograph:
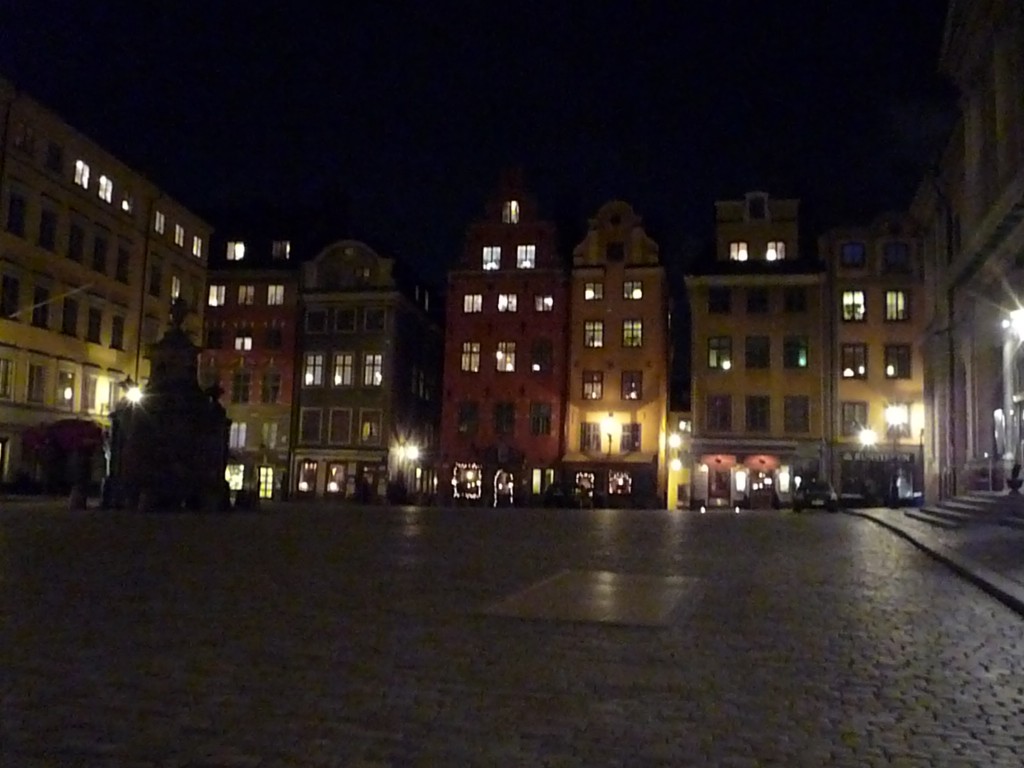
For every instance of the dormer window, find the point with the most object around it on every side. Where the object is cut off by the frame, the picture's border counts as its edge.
(776, 250)
(281, 249)
(510, 212)
(757, 208)
(738, 251)
(236, 250)
(82, 174)
(105, 190)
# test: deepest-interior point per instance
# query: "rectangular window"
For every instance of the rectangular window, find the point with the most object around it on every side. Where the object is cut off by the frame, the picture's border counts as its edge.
(794, 299)
(507, 302)
(776, 250)
(540, 418)
(316, 320)
(175, 286)
(117, 332)
(216, 297)
(76, 242)
(48, 229)
(281, 249)
(237, 434)
(719, 301)
(243, 339)
(738, 251)
(6, 379)
(593, 385)
(633, 290)
(469, 418)
(504, 418)
(105, 189)
(472, 302)
(90, 384)
(544, 303)
(758, 352)
(897, 361)
(593, 291)
(247, 295)
(541, 356)
(313, 369)
(795, 352)
(274, 337)
(127, 203)
(275, 295)
(340, 427)
(757, 301)
(632, 333)
(373, 369)
(235, 250)
(854, 306)
(10, 296)
(100, 246)
(505, 357)
(159, 222)
(345, 320)
(897, 416)
(854, 361)
(36, 384)
(370, 426)
(632, 385)
(156, 280)
(268, 434)
(94, 325)
(719, 413)
(344, 369)
(526, 257)
(471, 356)
(179, 235)
(491, 257)
(896, 257)
(759, 417)
(41, 307)
(69, 318)
(593, 333)
(897, 306)
(590, 436)
(796, 413)
(66, 390)
(852, 256)
(16, 213)
(121, 266)
(270, 391)
(310, 424)
(629, 440)
(54, 157)
(720, 353)
(374, 319)
(241, 385)
(855, 418)
(82, 174)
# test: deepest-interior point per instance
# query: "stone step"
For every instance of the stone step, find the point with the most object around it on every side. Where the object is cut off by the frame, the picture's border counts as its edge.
(1012, 521)
(962, 516)
(939, 522)
(978, 504)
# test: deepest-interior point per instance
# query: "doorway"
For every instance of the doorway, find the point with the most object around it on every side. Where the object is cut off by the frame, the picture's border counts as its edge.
(266, 482)
(720, 486)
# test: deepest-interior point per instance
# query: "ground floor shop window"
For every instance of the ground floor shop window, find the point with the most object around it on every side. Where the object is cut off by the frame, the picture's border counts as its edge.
(620, 483)
(542, 480)
(504, 488)
(335, 477)
(307, 477)
(466, 481)
(235, 475)
(585, 485)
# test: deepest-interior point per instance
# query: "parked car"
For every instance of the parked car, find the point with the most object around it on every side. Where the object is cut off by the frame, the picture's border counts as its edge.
(816, 494)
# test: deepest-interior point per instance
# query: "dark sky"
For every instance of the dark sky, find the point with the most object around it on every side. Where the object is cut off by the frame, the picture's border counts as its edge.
(402, 114)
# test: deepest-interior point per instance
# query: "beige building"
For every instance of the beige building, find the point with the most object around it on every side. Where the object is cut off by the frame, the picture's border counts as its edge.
(878, 320)
(619, 363)
(760, 359)
(91, 254)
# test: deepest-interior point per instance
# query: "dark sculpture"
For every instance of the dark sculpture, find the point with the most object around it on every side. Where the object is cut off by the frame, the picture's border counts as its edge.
(169, 450)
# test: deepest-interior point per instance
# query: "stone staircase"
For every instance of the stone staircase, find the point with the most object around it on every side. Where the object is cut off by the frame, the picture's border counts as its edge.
(972, 509)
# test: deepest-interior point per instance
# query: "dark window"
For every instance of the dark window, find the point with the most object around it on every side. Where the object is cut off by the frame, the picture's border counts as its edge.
(615, 252)
(36, 383)
(795, 299)
(117, 332)
(309, 425)
(69, 318)
(345, 320)
(41, 307)
(504, 418)
(757, 300)
(94, 325)
(16, 214)
(48, 229)
(275, 337)
(76, 242)
(10, 296)
(854, 361)
(590, 436)
(214, 338)
(156, 279)
(852, 255)
(632, 385)
(121, 266)
(469, 418)
(99, 254)
(756, 207)
(855, 418)
(271, 389)
(316, 320)
(719, 413)
(241, 384)
(540, 418)
(541, 356)
(54, 157)
(897, 361)
(630, 440)
(795, 352)
(373, 319)
(896, 257)
(759, 413)
(719, 301)
(796, 413)
(758, 352)
(340, 427)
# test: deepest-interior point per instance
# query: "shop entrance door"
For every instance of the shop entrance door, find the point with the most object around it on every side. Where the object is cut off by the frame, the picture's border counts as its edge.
(266, 481)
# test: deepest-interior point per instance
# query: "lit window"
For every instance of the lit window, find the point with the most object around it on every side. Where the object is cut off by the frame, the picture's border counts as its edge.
(127, 204)
(507, 302)
(738, 251)
(776, 250)
(593, 333)
(236, 434)
(492, 257)
(544, 303)
(159, 222)
(472, 302)
(281, 249)
(344, 365)
(313, 370)
(632, 333)
(236, 251)
(593, 291)
(175, 286)
(854, 306)
(510, 212)
(471, 356)
(896, 306)
(216, 298)
(105, 189)
(633, 290)
(246, 294)
(593, 385)
(854, 361)
(179, 235)
(82, 174)
(506, 356)
(526, 257)
(373, 369)
(197, 246)
(720, 353)
(897, 361)
(275, 295)
(243, 341)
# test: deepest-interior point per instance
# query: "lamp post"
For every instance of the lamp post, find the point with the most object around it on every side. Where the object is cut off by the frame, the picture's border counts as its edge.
(896, 419)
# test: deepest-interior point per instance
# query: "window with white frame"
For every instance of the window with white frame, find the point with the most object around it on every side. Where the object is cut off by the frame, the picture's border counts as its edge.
(179, 235)
(854, 306)
(593, 291)
(236, 434)
(82, 174)
(472, 302)
(507, 302)
(526, 257)
(373, 369)
(246, 294)
(197, 246)
(175, 286)
(344, 365)
(236, 250)
(505, 357)
(275, 295)
(510, 212)
(776, 250)
(738, 251)
(243, 339)
(216, 296)
(313, 369)
(159, 222)
(105, 189)
(633, 290)
(471, 356)
(492, 257)
(544, 303)
(593, 333)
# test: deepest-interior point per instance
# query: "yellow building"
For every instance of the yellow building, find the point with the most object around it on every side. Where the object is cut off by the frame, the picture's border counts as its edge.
(91, 254)
(679, 443)
(619, 364)
(760, 359)
(878, 322)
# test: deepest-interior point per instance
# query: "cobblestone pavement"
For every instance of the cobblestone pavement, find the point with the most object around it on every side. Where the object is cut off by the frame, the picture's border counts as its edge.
(304, 637)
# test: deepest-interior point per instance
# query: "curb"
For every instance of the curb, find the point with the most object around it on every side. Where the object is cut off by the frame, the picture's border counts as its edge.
(1006, 591)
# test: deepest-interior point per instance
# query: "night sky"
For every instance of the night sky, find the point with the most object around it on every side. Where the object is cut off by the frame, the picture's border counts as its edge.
(396, 118)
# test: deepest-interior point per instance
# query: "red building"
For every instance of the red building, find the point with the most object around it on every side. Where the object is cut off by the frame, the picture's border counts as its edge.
(505, 356)
(249, 349)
